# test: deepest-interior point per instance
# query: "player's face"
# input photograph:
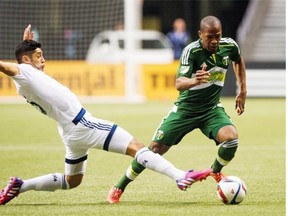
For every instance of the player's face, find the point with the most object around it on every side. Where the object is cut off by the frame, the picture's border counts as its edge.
(210, 37)
(37, 59)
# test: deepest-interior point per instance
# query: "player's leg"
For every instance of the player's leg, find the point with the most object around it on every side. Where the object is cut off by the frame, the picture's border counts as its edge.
(136, 169)
(228, 139)
(49, 182)
(75, 166)
(105, 135)
(168, 135)
(74, 172)
(155, 162)
(220, 128)
(123, 140)
(15, 186)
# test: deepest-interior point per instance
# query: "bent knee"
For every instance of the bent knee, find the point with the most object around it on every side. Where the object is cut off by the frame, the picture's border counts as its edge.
(133, 147)
(74, 181)
(227, 133)
(159, 148)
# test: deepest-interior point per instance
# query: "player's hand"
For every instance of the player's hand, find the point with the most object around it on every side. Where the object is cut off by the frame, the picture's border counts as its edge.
(240, 103)
(202, 76)
(28, 34)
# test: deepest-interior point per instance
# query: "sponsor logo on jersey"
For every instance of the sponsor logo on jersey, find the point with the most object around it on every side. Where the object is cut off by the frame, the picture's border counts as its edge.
(217, 75)
(159, 135)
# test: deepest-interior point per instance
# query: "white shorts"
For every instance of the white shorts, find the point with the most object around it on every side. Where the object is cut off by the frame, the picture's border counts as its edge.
(90, 133)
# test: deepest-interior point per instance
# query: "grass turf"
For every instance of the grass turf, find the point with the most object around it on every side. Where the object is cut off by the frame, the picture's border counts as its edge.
(30, 146)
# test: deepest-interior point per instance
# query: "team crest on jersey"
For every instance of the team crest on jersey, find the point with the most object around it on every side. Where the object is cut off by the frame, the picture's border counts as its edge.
(184, 69)
(159, 135)
(226, 60)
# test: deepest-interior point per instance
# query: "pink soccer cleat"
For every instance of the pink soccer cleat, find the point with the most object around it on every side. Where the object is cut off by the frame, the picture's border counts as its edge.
(191, 177)
(11, 190)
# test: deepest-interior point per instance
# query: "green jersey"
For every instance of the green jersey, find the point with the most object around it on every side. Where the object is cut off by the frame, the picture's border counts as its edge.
(201, 98)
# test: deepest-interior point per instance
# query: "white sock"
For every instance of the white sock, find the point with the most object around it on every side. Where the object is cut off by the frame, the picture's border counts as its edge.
(157, 163)
(50, 182)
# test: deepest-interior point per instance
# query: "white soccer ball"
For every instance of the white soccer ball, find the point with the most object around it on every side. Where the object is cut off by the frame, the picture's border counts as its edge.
(231, 190)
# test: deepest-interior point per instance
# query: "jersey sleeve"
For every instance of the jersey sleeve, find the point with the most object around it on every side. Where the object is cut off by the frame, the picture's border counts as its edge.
(235, 54)
(186, 63)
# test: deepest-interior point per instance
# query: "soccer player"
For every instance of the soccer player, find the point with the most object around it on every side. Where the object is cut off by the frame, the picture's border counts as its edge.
(200, 79)
(79, 130)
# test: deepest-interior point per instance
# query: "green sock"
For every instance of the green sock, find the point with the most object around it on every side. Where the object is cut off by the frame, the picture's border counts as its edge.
(217, 167)
(133, 171)
(226, 153)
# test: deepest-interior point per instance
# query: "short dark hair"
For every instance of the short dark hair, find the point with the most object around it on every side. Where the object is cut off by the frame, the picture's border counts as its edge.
(209, 21)
(24, 47)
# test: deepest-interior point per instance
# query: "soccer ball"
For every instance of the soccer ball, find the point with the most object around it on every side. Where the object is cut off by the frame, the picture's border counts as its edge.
(231, 190)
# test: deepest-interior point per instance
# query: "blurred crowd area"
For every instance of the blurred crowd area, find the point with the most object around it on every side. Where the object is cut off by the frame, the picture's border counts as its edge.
(67, 27)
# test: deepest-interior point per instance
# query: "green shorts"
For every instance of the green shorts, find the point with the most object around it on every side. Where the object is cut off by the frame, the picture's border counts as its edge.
(176, 125)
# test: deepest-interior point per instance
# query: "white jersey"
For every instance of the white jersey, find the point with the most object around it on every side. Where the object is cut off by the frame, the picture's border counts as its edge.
(78, 129)
(47, 95)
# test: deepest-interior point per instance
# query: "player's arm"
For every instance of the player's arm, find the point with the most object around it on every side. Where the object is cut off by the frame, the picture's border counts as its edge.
(11, 69)
(184, 83)
(240, 72)
(8, 68)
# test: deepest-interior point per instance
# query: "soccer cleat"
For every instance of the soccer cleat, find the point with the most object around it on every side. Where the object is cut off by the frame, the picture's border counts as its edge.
(114, 195)
(217, 176)
(11, 190)
(191, 177)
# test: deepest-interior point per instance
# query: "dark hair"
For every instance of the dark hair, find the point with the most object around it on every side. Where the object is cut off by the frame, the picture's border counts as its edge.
(25, 47)
(209, 21)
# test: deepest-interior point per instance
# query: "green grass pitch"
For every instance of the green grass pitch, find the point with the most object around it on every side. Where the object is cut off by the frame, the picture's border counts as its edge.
(30, 146)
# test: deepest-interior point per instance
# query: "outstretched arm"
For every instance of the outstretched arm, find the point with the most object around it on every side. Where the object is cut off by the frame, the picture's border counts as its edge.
(240, 72)
(11, 69)
(28, 34)
(8, 68)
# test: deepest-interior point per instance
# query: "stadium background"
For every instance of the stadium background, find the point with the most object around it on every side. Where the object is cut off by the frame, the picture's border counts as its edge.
(66, 28)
